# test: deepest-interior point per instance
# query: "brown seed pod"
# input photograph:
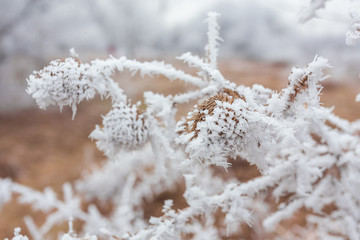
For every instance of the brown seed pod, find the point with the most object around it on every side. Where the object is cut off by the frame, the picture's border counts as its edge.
(215, 128)
(207, 108)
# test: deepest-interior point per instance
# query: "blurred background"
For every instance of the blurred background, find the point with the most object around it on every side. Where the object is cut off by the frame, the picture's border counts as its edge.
(262, 40)
(33, 32)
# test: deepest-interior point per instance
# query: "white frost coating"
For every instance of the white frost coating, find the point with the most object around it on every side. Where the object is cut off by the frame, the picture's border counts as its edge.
(357, 98)
(18, 236)
(211, 48)
(187, 97)
(158, 68)
(308, 158)
(214, 74)
(61, 83)
(124, 128)
(223, 130)
(73, 53)
(352, 36)
(67, 82)
(67, 236)
(72, 236)
(214, 137)
(5, 191)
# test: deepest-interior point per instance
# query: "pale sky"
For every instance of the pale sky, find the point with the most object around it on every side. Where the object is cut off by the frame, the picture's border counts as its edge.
(334, 19)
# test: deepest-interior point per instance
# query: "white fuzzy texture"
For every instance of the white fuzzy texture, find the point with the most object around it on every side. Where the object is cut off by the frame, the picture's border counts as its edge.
(213, 36)
(18, 236)
(65, 84)
(123, 129)
(352, 36)
(304, 153)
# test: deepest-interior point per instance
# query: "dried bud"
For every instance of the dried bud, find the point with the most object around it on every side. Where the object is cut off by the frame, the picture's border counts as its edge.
(62, 82)
(124, 128)
(214, 130)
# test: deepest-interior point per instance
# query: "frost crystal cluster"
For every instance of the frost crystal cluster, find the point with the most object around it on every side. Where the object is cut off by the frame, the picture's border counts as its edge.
(124, 128)
(352, 36)
(308, 159)
(66, 84)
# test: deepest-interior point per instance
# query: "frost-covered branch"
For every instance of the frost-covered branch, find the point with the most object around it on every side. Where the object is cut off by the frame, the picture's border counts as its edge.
(352, 36)
(211, 48)
(307, 158)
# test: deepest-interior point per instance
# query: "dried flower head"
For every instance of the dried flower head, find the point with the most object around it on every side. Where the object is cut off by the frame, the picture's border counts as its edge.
(62, 82)
(214, 130)
(124, 128)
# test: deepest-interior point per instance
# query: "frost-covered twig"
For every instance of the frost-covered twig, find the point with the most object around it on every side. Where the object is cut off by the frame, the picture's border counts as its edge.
(352, 36)
(211, 48)
(307, 158)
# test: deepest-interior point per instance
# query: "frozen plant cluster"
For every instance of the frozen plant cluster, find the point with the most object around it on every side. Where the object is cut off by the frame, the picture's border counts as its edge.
(308, 159)
(352, 36)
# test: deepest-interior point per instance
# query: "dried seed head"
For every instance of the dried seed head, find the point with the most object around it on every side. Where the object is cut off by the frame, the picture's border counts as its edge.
(124, 128)
(63, 82)
(214, 128)
(207, 108)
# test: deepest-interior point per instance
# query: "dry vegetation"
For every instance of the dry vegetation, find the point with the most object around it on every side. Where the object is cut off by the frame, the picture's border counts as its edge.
(40, 149)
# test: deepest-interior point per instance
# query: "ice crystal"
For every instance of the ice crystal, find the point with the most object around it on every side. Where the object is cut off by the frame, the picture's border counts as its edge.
(352, 36)
(61, 83)
(214, 130)
(124, 128)
(307, 157)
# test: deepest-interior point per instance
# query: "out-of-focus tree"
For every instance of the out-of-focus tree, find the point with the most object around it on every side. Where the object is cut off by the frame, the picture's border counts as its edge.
(13, 13)
(33, 31)
(249, 30)
(130, 27)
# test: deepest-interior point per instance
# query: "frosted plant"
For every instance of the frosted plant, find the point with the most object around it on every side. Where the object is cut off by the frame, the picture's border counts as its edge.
(352, 36)
(18, 236)
(66, 85)
(72, 236)
(307, 158)
(124, 128)
(223, 126)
